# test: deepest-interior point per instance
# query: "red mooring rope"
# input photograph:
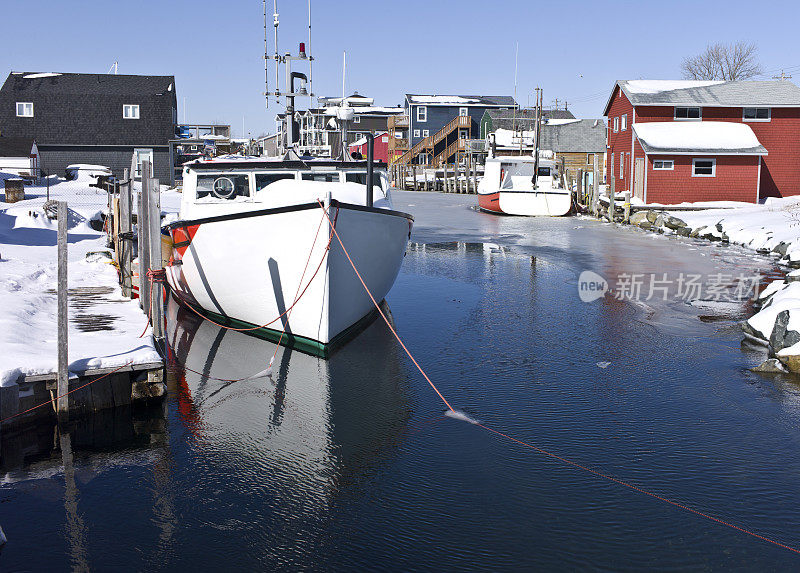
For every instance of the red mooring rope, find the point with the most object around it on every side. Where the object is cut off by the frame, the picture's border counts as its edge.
(542, 450)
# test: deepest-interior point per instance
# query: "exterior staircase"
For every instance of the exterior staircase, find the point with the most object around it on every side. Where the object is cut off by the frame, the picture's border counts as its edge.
(428, 144)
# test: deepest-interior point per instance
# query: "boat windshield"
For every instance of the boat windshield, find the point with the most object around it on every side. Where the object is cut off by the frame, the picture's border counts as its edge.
(264, 179)
(325, 177)
(228, 186)
(544, 172)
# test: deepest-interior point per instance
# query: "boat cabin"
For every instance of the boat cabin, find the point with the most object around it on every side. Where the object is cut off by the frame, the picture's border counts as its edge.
(515, 173)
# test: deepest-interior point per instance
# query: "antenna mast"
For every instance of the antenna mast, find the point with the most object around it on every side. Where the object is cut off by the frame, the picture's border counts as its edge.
(310, 60)
(266, 57)
(277, 57)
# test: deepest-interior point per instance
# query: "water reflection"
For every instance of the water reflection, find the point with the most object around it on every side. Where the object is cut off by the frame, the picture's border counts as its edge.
(303, 432)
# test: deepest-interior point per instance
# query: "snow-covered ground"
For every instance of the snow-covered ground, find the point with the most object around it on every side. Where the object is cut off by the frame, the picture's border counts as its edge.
(28, 275)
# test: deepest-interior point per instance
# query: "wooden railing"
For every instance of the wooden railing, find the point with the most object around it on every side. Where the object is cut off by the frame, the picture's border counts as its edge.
(398, 121)
(460, 121)
(457, 145)
(455, 123)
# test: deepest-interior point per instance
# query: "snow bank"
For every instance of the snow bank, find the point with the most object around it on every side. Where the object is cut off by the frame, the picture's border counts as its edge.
(697, 135)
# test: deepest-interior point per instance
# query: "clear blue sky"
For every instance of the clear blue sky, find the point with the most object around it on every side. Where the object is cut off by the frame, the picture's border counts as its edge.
(575, 50)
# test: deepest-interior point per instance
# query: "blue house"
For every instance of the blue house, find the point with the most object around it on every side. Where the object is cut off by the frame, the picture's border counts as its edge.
(437, 122)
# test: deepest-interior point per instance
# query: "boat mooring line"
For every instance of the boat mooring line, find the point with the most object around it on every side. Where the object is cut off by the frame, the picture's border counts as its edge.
(542, 450)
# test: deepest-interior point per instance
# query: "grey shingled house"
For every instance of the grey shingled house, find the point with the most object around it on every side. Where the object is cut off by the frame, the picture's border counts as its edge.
(100, 119)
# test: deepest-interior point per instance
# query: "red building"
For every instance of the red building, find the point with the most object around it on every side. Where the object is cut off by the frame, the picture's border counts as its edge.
(379, 153)
(737, 141)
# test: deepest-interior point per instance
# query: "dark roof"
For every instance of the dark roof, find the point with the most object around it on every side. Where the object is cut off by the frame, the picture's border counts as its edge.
(479, 100)
(772, 93)
(86, 109)
(523, 118)
(15, 146)
(581, 136)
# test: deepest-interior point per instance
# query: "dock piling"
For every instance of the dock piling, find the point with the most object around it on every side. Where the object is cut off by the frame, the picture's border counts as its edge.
(595, 185)
(144, 239)
(156, 306)
(63, 324)
(125, 226)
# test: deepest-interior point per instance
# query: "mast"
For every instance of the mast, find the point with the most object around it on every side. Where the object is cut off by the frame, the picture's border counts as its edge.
(310, 60)
(537, 130)
(277, 57)
(266, 57)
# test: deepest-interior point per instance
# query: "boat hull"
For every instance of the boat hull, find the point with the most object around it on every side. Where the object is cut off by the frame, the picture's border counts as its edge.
(546, 203)
(282, 270)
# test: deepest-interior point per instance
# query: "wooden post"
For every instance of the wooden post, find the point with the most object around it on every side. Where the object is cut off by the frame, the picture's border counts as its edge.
(611, 193)
(595, 185)
(125, 226)
(475, 175)
(63, 319)
(156, 261)
(144, 239)
(581, 199)
(626, 208)
(444, 177)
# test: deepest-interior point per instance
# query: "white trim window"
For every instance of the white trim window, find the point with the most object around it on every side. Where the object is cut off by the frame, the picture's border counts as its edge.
(589, 158)
(663, 165)
(704, 167)
(24, 109)
(422, 114)
(130, 111)
(425, 132)
(612, 165)
(463, 112)
(624, 122)
(622, 166)
(756, 114)
(616, 124)
(416, 133)
(356, 118)
(141, 155)
(688, 113)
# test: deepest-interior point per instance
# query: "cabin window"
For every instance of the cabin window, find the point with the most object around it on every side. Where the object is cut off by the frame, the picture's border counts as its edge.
(688, 113)
(624, 122)
(543, 172)
(265, 179)
(324, 177)
(756, 114)
(24, 109)
(227, 186)
(130, 111)
(663, 165)
(416, 133)
(463, 112)
(425, 133)
(356, 119)
(704, 167)
(422, 113)
(616, 124)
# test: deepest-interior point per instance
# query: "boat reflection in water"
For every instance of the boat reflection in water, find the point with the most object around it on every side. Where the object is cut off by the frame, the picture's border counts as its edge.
(313, 425)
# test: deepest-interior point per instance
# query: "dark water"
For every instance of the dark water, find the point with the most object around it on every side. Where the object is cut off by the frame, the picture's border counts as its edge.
(349, 464)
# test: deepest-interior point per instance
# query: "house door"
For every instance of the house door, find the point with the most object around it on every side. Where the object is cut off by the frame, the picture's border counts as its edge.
(638, 178)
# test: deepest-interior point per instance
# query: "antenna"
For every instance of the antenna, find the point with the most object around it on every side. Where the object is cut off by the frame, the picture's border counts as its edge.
(514, 120)
(277, 57)
(344, 70)
(783, 76)
(266, 75)
(115, 67)
(310, 59)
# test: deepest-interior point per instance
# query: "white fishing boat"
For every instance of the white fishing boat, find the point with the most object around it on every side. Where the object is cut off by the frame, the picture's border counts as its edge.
(255, 246)
(509, 187)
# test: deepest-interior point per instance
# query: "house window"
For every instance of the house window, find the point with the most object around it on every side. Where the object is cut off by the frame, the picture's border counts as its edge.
(357, 119)
(143, 155)
(425, 133)
(589, 158)
(756, 114)
(612, 165)
(704, 167)
(688, 113)
(624, 122)
(462, 111)
(616, 124)
(416, 133)
(130, 111)
(663, 165)
(24, 109)
(422, 113)
(622, 166)
(385, 139)
(423, 158)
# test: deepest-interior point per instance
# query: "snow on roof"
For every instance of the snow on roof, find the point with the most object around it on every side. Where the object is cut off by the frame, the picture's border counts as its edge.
(362, 140)
(656, 86)
(40, 75)
(560, 121)
(694, 136)
(443, 99)
(509, 138)
(377, 109)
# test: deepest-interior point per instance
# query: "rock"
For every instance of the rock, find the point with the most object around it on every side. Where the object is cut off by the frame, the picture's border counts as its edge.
(638, 217)
(793, 276)
(683, 231)
(673, 222)
(791, 362)
(659, 222)
(781, 336)
(771, 365)
(652, 216)
(719, 226)
(752, 332)
(780, 248)
(696, 232)
(724, 238)
(646, 225)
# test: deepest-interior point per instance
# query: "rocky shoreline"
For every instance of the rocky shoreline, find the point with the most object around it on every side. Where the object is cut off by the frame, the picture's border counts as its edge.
(776, 324)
